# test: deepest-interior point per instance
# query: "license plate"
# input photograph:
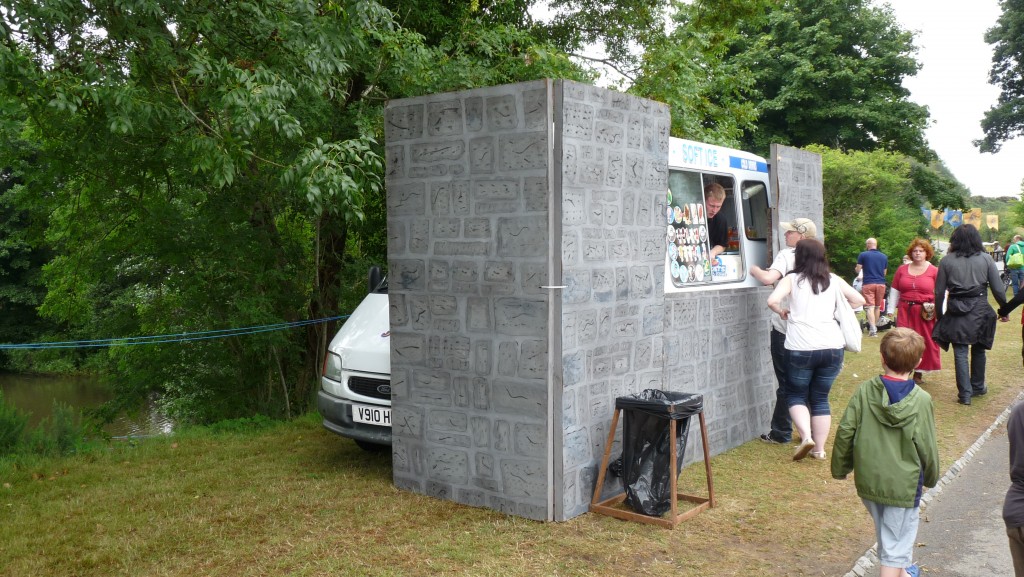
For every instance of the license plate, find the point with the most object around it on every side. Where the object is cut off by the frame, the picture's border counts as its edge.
(372, 415)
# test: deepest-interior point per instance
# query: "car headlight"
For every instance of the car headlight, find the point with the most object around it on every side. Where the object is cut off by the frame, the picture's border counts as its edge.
(332, 366)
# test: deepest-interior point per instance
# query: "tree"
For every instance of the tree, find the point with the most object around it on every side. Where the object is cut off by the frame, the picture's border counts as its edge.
(1005, 120)
(207, 163)
(868, 194)
(711, 97)
(830, 72)
(1017, 210)
(622, 29)
(937, 186)
(21, 264)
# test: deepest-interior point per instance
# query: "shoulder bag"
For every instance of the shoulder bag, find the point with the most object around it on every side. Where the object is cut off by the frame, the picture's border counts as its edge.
(1016, 260)
(847, 319)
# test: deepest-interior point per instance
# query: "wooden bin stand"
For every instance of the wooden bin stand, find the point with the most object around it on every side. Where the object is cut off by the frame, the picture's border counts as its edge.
(607, 507)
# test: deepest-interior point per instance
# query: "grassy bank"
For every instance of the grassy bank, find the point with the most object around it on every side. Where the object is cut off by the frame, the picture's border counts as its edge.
(296, 500)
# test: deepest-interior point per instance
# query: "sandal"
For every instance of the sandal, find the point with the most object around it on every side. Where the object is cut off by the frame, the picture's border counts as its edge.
(819, 455)
(803, 448)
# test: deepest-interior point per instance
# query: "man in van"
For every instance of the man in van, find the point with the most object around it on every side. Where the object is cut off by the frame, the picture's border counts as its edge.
(793, 232)
(718, 229)
(1016, 268)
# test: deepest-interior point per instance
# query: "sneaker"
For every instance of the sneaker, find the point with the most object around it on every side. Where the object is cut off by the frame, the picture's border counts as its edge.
(913, 570)
(980, 393)
(802, 449)
(768, 438)
(873, 333)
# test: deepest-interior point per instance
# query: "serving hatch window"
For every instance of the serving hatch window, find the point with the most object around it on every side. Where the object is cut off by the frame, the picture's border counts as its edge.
(756, 216)
(703, 247)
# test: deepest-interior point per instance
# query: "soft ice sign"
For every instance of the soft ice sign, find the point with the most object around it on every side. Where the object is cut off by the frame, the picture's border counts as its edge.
(694, 154)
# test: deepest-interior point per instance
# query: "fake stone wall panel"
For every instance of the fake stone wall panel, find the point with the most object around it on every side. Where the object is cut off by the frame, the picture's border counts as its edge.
(468, 250)
(610, 308)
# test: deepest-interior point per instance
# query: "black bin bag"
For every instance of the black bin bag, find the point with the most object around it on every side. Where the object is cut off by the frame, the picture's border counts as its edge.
(646, 445)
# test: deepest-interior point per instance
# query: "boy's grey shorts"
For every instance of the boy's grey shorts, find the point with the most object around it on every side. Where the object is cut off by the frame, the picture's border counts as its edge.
(896, 531)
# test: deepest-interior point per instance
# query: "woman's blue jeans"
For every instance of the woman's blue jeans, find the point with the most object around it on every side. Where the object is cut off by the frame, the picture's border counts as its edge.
(809, 378)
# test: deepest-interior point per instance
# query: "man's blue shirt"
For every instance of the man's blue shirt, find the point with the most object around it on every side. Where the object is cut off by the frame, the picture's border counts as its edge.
(873, 263)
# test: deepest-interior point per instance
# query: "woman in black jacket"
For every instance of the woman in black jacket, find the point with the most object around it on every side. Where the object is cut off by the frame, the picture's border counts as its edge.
(967, 320)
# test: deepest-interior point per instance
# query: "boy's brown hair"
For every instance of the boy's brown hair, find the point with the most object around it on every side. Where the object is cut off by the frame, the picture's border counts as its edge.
(901, 349)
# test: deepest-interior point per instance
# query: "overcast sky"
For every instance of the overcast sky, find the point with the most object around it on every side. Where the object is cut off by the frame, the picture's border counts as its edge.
(953, 84)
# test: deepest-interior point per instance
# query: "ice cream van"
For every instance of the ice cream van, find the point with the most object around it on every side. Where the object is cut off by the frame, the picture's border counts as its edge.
(355, 393)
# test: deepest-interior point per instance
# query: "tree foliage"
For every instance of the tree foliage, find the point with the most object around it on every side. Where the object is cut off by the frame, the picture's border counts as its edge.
(710, 95)
(22, 257)
(830, 72)
(621, 29)
(1005, 120)
(1017, 210)
(937, 187)
(868, 194)
(205, 165)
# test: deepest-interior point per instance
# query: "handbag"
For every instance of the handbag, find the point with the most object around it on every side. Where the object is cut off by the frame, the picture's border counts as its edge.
(927, 311)
(1016, 260)
(848, 323)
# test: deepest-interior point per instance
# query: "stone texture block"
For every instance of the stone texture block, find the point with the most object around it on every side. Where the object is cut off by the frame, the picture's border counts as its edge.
(525, 316)
(523, 478)
(526, 399)
(447, 465)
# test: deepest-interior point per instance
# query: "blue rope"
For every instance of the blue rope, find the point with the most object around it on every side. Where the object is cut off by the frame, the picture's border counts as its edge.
(171, 338)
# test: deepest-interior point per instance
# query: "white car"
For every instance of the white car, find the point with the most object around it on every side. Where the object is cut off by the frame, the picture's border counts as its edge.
(355, 390)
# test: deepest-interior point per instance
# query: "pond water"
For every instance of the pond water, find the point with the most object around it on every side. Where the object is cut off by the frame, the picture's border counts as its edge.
(36, 395)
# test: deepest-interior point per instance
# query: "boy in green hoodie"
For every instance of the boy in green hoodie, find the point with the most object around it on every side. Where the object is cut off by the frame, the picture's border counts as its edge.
(887, 438)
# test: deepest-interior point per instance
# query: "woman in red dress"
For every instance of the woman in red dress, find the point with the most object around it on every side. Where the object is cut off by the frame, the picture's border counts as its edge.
(916, 285)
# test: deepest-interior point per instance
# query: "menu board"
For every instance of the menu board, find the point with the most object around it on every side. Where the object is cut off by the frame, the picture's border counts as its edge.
(689, 255)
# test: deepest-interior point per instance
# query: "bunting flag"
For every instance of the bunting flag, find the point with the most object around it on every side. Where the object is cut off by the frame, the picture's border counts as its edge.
(973, 217)
(954, 217)
(992, 220)
(926, 212)
(937, 219)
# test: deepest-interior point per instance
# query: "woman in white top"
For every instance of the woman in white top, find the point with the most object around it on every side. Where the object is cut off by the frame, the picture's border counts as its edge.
(813, 340)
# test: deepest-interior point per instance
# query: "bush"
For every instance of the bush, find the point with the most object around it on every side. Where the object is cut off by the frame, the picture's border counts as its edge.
(66, 430)
(59, 435)
(12, 427)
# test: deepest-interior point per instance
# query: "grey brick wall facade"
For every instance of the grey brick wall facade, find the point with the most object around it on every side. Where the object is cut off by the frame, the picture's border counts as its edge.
(503, 391)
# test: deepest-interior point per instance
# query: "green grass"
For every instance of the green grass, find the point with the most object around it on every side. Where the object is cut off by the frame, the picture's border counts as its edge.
(293, 499)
